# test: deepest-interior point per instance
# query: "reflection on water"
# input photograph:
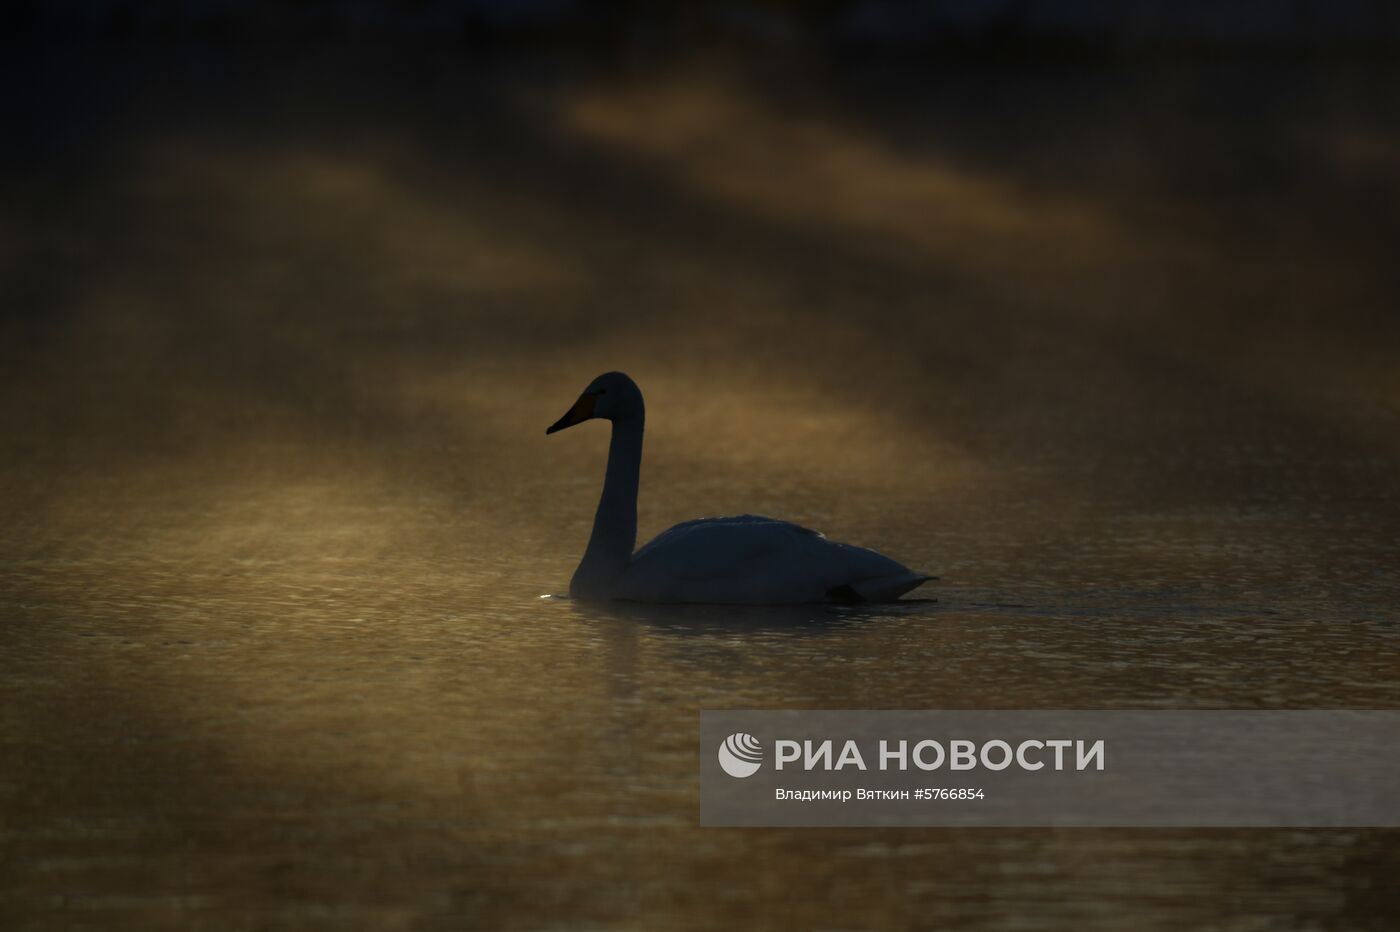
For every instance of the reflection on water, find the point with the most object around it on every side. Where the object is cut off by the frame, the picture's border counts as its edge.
(280, 508)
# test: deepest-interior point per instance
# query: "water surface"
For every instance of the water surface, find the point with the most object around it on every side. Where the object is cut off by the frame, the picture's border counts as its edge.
(1110, 351)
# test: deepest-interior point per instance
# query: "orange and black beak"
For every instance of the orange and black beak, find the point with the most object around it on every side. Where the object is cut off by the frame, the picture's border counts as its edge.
(581, 411)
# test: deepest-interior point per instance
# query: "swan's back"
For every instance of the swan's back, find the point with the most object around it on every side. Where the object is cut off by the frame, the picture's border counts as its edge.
(752, 559)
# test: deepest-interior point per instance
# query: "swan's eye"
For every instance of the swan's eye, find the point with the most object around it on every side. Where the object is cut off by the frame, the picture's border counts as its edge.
(602, 391)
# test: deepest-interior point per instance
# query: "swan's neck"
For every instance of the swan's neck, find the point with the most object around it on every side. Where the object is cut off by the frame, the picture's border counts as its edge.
(615, 524)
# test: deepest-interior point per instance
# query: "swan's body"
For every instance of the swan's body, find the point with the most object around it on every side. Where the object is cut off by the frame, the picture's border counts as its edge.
(753, 559)
(747, 559)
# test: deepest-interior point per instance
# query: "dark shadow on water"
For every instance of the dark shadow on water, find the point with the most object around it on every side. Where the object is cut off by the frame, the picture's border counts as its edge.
(792, 620)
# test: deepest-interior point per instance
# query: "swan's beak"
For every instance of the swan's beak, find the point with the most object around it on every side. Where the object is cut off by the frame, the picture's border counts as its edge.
(581, 411)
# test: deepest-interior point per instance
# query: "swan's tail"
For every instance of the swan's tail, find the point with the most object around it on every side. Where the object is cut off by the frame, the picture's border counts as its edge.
(879, 588)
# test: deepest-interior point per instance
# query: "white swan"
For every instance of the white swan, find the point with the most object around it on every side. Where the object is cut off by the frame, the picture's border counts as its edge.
(738, 560)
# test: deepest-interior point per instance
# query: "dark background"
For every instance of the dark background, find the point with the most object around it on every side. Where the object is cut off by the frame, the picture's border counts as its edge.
(1089, 308)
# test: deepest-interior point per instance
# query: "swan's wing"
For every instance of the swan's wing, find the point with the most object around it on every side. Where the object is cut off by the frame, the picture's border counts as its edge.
(750, 558)
(744, 530)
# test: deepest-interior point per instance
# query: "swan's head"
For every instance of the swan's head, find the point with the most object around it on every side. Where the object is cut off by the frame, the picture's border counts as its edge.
(612, 396)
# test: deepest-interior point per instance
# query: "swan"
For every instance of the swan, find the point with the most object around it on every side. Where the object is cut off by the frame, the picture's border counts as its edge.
(743, 560)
